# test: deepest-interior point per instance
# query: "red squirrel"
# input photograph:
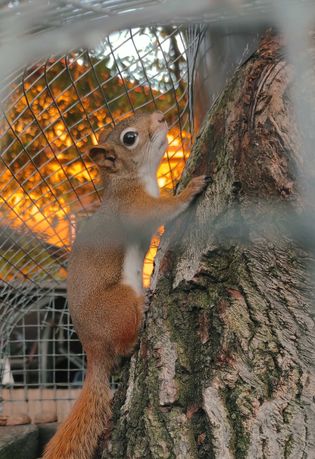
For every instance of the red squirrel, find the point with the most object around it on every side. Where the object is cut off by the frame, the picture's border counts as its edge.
(105, 268)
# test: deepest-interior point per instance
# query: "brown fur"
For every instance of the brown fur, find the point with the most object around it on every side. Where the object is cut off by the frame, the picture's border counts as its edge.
(105, 309)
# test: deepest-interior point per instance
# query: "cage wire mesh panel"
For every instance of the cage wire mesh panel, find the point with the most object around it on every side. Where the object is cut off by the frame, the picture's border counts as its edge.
(52, 108)
(50, 111)
(43, 26)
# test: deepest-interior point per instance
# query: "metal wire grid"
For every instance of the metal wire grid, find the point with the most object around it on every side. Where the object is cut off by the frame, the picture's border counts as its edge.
(39, 15)
(51, 15)
(39, 347)
(33, 28)
(38, 145)
(43, 356)
(51, 110)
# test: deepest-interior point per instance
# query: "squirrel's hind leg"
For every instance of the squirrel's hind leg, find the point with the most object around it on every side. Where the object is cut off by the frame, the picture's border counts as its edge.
(126, 318)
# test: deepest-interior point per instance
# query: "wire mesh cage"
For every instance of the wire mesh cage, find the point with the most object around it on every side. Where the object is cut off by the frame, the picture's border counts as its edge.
(51, 110)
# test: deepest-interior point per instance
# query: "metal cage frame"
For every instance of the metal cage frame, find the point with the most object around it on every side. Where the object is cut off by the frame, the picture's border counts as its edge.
(37, 339)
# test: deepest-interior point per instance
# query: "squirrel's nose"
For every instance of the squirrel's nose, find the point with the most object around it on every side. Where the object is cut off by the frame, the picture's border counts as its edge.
(158, 118)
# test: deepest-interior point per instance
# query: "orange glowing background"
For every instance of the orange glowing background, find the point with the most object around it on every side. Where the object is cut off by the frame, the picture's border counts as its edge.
(50, 221)
(47, 186)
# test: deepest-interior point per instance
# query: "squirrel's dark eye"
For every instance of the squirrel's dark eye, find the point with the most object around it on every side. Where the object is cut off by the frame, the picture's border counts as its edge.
(129, 138)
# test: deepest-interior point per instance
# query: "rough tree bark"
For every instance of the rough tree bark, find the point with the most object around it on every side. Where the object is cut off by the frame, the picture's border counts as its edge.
(224, 367)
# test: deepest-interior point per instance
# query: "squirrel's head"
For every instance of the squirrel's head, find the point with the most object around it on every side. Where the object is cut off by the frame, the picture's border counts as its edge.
(135, 144)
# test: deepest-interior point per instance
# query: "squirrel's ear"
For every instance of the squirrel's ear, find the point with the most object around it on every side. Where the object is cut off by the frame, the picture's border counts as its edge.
(103, 156)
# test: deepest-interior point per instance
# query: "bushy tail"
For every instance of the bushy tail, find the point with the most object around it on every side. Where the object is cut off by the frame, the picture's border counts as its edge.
(78, 436)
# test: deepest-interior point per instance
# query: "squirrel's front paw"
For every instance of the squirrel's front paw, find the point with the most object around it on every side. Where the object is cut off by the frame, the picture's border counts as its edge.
(198, 184)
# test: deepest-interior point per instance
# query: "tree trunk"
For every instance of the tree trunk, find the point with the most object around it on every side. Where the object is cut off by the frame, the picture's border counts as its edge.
(225, 364)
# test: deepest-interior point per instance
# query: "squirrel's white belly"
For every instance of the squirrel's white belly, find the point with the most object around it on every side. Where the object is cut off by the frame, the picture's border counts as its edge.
(132, 268)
